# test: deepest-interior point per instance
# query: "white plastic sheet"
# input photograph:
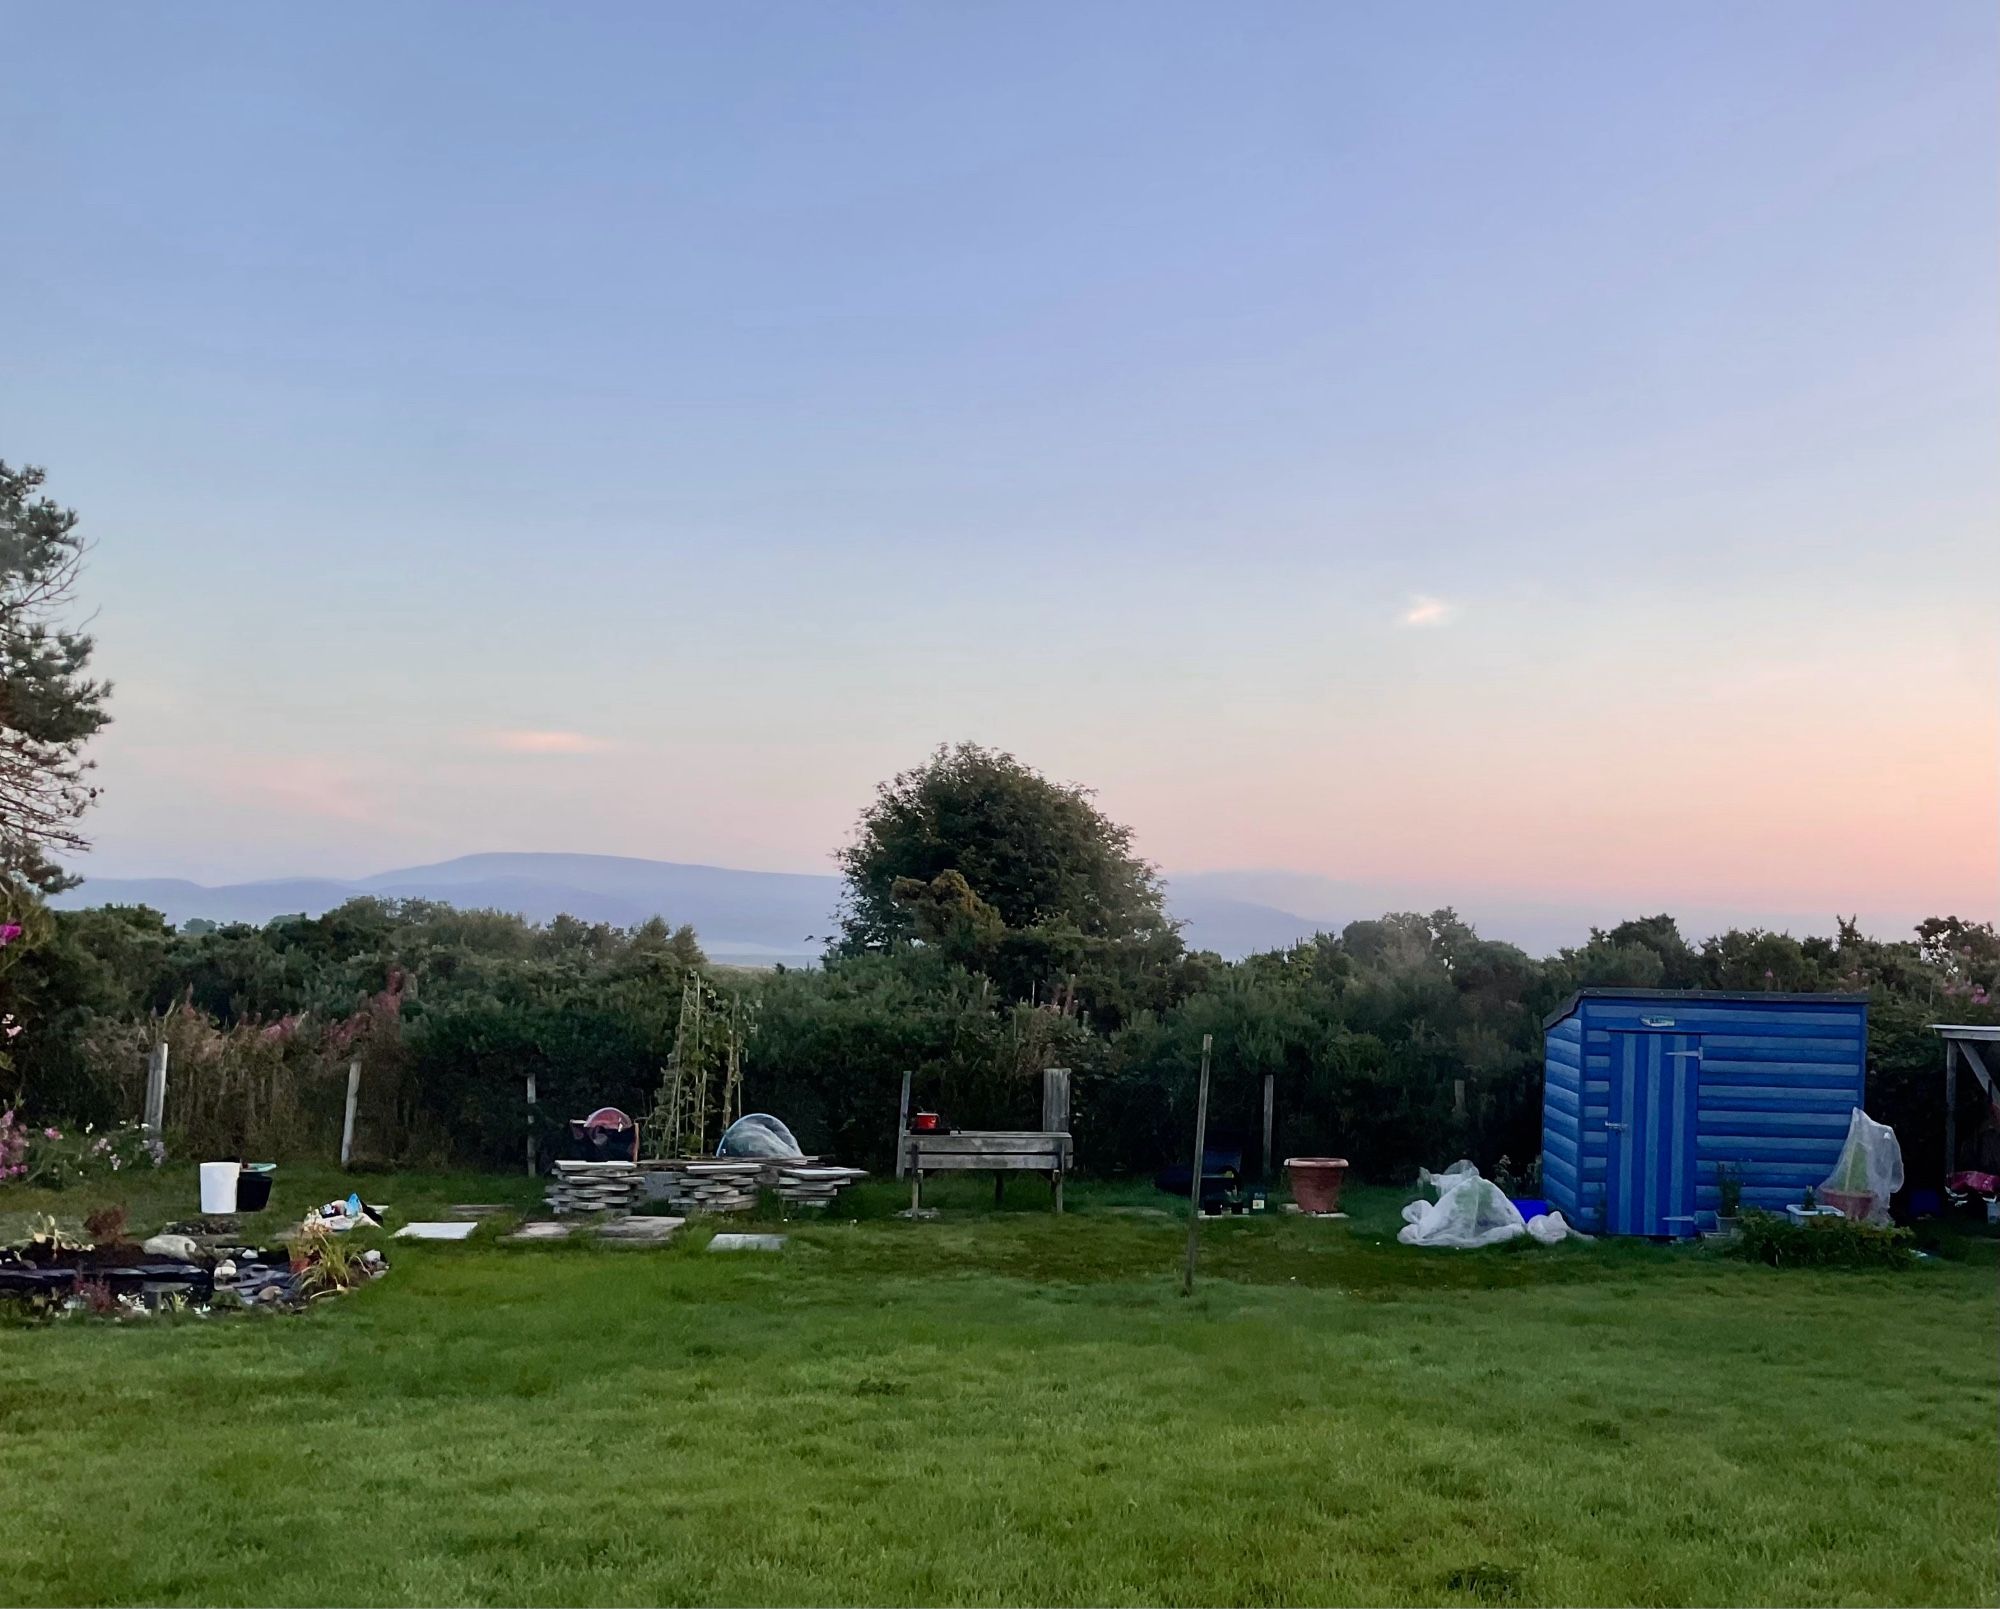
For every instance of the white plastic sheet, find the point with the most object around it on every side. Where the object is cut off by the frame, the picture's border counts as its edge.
(1870, 1169)
(1550, 1227)
(757, 1134)
(1471, 1211)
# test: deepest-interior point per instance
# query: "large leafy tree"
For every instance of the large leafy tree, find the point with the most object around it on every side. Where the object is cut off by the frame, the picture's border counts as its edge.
(1038, 853)
(49, 705)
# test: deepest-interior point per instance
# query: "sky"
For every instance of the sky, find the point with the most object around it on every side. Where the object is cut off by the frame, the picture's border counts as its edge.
(1542, 449)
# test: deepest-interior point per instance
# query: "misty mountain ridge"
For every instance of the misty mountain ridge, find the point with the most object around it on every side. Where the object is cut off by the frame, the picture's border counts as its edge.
(762, 918)
(745, 917)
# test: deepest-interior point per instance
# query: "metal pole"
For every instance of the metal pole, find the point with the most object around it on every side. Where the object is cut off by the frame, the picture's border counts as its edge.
(1194, 1180)
(156, 1089)
(531, 1125)
(903, 1124)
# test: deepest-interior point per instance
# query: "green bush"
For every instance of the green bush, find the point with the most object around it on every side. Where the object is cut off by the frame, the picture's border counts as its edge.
(1764, 1237)
(1400, 1042)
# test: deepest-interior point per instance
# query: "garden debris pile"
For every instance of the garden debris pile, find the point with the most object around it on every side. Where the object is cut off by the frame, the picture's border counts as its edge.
(341, 1216)
(60, 1275)
(1471, 1211)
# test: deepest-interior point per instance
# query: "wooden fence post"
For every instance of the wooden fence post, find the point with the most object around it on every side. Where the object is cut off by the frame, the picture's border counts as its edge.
(1194, 1180)
(1055, 1100)
(531, 1125)
(1950, 1107)
(156, 1090)
(347, 1122)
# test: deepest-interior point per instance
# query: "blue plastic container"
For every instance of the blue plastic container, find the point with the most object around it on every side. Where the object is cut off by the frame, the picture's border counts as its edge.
(1528, 1207)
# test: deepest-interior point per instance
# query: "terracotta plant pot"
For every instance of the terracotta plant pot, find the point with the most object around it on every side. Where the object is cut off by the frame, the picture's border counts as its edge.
(1316, 1181)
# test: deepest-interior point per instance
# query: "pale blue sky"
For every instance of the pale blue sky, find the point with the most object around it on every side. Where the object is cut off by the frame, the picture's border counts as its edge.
(764, 393)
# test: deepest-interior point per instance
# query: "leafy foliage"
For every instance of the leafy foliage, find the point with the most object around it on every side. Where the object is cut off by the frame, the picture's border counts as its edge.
(49, 706)
(1402, 1040)
(1023, 879)
(997, 924)
(1764, 1237)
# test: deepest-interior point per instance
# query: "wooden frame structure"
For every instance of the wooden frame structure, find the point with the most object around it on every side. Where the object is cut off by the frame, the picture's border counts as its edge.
(1961, 1044)
(1048, 1149)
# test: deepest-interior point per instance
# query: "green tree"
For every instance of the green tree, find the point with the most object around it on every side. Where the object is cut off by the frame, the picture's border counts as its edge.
(49, 706)
(1037, 852)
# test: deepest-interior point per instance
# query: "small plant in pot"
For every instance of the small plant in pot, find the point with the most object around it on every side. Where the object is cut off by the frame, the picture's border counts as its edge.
(1729, 1192)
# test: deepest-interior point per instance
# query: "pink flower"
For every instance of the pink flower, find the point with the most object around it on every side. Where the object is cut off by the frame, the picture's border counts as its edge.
(9, 934)
(52, 1134)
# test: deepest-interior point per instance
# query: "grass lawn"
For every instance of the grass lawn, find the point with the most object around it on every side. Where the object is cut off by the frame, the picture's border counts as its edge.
(1006, 1407)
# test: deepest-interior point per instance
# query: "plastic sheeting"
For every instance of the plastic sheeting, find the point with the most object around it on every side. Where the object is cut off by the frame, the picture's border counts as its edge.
(1471, 1211)
(757, 1134)
(1869, 1172)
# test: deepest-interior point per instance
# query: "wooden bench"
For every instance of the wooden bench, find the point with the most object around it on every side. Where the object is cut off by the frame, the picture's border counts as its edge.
(998, 1151)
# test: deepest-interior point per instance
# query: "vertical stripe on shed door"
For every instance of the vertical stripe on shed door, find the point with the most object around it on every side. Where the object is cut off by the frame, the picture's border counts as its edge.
(1649, 1166)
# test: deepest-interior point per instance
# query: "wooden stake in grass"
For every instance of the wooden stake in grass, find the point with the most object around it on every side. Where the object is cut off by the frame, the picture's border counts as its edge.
(347, 1121)
(1194, 1179)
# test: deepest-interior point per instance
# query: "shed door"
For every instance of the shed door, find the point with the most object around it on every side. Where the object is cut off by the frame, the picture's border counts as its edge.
(1649, 1161)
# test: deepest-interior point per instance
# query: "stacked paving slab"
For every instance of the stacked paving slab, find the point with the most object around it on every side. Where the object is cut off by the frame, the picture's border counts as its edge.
(809, 1186)
(585, 1187)
(717, 1184)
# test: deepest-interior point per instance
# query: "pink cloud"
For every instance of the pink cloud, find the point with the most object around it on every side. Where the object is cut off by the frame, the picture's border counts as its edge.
(305, 784)
(1425, 611)
(527, 742)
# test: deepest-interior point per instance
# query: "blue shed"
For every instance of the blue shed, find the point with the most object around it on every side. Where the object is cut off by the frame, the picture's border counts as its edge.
(1648, 1090)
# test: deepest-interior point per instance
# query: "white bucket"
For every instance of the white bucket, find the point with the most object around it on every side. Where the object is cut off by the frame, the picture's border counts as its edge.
(218, 1186)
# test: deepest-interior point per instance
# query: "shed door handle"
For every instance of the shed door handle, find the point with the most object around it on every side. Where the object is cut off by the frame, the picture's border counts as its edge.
(1694, 1053)
(1620, 1127)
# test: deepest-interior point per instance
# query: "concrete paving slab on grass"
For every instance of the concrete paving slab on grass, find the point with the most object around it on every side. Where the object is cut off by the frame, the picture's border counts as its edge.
(539, 1229)
(736, 1242)
(651, 1230)
(436, 1231)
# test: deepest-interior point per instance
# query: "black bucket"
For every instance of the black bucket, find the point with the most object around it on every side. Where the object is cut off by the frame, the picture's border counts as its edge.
(253, 1187)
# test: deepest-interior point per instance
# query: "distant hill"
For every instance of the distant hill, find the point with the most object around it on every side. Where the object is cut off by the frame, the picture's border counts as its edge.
(749, 918)
(761, 918)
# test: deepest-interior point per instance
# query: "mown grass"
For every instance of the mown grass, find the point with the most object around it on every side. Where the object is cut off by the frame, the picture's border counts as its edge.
(1008, 1407)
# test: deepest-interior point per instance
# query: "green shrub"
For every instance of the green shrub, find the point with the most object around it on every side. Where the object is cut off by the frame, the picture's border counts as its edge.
(1764, 1237)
